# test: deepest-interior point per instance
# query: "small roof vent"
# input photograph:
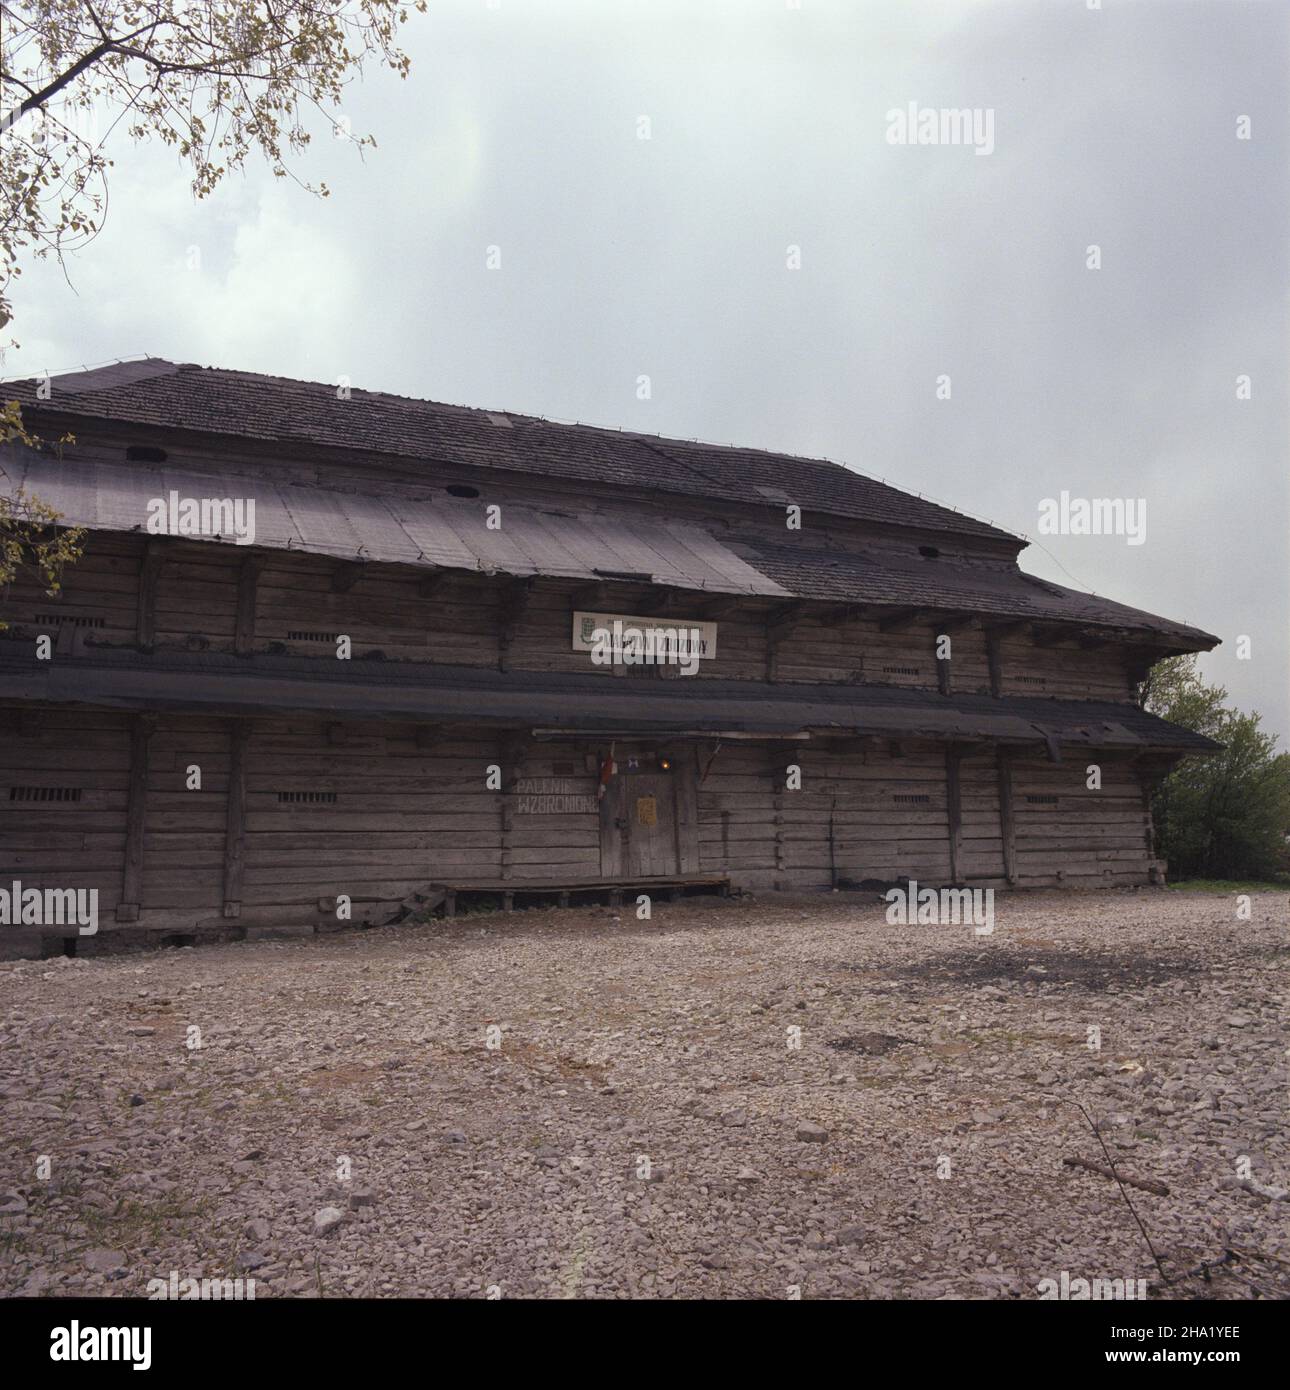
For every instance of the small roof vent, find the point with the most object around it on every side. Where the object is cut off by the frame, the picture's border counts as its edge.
(626, 576)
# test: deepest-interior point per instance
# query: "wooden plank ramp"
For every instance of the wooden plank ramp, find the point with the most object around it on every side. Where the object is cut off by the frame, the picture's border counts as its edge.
(444, 895)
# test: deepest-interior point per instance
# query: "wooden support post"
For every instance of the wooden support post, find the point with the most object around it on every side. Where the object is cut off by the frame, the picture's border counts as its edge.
(687, 816)
(136, 817)
(515, 602)
(564, 898)
(235, 818)
(954, 798)
(1148, 837)
(614, 828)
(248, 581)
(149, 576)
(513, 749)
(508, 902)
(1007, 824)
(1150, 769)
(779, 626)
(995, 662)
(942, 663)
(777, 802)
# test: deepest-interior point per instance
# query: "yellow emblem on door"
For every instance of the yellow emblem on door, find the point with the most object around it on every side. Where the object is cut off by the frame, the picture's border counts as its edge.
(646, 810)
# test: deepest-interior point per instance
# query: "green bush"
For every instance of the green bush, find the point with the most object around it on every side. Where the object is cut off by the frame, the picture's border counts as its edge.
(1223, 815)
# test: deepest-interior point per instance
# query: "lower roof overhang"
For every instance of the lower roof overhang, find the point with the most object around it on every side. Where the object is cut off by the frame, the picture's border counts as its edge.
(572, 704)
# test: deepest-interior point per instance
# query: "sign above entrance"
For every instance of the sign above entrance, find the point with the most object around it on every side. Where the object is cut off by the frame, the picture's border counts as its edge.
(663, 639)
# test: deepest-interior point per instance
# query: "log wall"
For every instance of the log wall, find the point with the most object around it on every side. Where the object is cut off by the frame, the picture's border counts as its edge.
(375, 812)
(188, 595)
(290, 813)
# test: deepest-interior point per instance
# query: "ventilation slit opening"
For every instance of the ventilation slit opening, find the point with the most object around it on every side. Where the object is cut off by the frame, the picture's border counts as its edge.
(45, 793)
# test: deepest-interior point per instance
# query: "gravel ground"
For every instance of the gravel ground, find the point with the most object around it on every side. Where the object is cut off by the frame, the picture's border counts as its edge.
(646, 1128)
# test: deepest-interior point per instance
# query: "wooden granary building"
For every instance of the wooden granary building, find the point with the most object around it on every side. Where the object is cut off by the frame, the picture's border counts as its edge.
(386, 674)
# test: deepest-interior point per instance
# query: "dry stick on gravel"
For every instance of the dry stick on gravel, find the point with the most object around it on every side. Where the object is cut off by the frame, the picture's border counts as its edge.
(1237, 1253)
(1221, 1266)
(1123, 1193)
(1146, 1184)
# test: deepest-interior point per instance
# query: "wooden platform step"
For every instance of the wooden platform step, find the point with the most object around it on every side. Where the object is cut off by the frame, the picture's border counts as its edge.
(613, 889)
(423, 902)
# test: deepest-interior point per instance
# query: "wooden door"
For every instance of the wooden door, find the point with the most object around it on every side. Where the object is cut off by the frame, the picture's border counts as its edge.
(649, 825)
(649, 837)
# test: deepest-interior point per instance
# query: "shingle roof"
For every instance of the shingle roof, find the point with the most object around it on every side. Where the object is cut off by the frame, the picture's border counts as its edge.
(243, 405)
(478, 695)
(390, 526)
(848, 577)
(154, 392)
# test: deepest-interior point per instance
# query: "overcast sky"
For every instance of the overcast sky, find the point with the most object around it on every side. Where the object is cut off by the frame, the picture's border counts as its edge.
(519, 128)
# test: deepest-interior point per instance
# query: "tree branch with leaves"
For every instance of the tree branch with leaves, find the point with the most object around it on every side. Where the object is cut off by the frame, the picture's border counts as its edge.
(219, 81)
(30, 536)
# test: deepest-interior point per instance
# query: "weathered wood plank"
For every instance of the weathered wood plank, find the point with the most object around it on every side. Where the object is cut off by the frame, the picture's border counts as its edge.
(247, 584)
(235, 819)
(1007, 819)
(141, 731)
(150, 567)
(953, 758)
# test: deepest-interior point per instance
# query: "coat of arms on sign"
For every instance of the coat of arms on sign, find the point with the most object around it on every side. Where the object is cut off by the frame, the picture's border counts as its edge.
(646, 810)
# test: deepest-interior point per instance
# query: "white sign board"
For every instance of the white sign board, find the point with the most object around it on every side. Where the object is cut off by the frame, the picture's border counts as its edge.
(655, 634)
